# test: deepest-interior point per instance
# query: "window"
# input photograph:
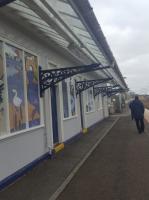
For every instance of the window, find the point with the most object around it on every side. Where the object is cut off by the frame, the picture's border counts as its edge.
(3, 117)
(90, 104)
(31, 67)
(72, 98)
(15, 83)
(69, 98)
(99, 101)
(22, 89)
(65, 99)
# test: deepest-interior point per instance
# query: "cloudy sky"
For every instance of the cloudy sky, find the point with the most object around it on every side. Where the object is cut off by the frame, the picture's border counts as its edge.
(125, 24)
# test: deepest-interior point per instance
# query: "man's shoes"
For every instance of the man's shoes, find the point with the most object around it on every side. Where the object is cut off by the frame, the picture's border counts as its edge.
(140, 132)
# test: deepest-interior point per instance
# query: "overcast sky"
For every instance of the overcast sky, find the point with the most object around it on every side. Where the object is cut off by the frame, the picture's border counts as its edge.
(125, 23)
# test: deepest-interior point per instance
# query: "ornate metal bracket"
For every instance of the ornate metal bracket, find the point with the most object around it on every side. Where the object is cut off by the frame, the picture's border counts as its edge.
(114, 91)
(5, 2)
(84, 85)
(48, 78)
(100, 90)
(104, 90)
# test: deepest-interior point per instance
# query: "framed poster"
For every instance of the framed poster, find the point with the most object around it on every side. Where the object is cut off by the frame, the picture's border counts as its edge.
(31, 67)
(15, 82)
(3, 118)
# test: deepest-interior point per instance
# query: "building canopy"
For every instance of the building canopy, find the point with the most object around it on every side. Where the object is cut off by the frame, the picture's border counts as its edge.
(69, 25)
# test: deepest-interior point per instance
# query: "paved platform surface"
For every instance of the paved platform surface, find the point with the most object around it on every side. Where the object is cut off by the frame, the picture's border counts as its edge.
(118, 169)
(43, 181)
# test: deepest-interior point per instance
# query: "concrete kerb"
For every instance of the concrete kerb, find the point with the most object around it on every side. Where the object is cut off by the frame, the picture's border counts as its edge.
(74, 171)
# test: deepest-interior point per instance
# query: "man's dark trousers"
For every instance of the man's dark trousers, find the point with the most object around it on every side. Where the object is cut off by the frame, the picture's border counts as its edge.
(140, 124)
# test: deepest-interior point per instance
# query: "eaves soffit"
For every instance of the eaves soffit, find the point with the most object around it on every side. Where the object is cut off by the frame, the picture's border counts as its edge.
(70, 17)
(27, 17)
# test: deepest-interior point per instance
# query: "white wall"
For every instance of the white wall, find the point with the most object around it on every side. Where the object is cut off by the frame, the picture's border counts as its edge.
(93, 117)
(18, 151)
(72, 126)
(105, 107)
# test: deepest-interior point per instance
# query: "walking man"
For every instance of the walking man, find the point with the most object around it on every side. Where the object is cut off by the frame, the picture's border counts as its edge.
(137, 110)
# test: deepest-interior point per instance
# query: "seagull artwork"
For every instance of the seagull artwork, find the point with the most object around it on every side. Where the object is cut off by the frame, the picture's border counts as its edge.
(16, 100)
(18, 116)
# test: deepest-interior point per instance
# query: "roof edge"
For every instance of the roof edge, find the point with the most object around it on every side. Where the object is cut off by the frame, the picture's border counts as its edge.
(89, 17)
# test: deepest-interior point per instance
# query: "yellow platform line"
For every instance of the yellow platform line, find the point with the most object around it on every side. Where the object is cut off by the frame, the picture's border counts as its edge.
(59, 147)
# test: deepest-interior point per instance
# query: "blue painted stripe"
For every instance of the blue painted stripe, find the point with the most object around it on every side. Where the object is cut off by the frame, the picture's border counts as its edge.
(12, 178)
(74, 138)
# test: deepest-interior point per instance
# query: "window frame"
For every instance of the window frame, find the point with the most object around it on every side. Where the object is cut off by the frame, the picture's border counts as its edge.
(6, 91)
(8, 132)
(87, 100)
(100, 107)
(69, 96)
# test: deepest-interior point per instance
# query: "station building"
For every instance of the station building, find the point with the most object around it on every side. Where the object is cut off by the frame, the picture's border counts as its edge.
(56, 69)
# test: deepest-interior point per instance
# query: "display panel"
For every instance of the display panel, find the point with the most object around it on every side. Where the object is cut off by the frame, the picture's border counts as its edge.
(31, 67)
(15, 82)
(3, 118)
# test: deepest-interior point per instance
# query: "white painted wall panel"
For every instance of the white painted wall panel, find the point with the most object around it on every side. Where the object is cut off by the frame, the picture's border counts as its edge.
(105, 107)
(18, 151)
(94, 117)
(72, 126)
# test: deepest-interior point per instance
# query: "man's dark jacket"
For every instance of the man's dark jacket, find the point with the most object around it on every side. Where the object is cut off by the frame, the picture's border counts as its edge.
(137, 109)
